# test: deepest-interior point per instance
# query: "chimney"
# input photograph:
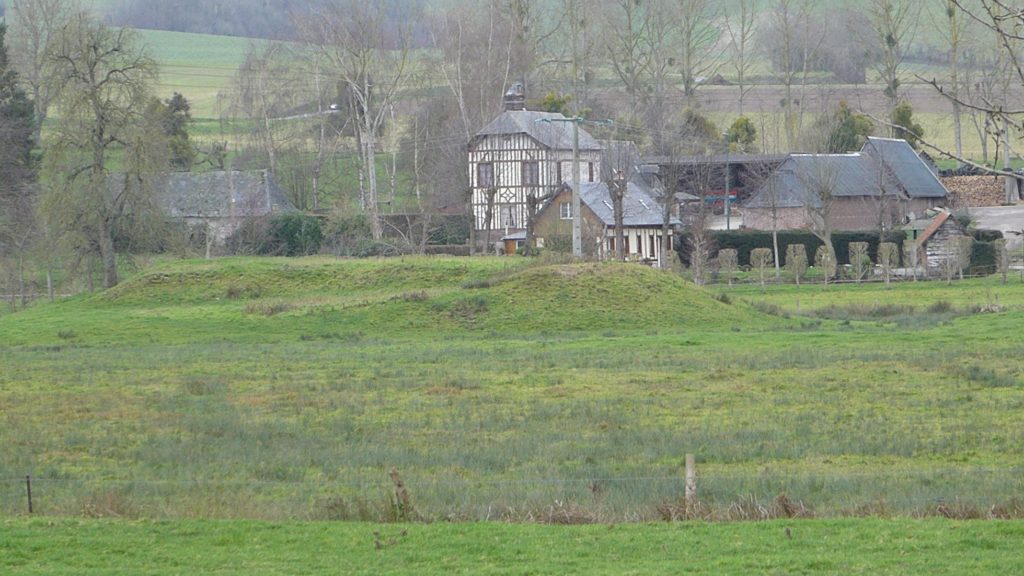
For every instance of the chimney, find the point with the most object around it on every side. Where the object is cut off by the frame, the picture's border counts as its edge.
(515, 98)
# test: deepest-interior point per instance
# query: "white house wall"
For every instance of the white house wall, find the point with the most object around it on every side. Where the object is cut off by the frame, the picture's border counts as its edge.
(644, 243)
(507, 154)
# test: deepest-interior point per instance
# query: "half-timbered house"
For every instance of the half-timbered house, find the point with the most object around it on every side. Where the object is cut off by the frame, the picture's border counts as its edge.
(523, 152)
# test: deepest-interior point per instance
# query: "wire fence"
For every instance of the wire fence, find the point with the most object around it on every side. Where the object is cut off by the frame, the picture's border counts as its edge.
(955, 492)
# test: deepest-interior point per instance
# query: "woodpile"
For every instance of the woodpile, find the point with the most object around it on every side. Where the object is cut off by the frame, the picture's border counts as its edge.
(974, 191)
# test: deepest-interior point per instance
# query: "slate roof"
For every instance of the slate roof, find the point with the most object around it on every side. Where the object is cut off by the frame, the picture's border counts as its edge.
(554, 135)
(891, 164)
(638, 208)
(913, 173)
(716, 159)
(221, 194)
(796, 180)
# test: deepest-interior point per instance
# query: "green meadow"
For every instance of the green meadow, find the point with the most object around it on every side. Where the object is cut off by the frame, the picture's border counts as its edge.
(505, 389)
(858, 546)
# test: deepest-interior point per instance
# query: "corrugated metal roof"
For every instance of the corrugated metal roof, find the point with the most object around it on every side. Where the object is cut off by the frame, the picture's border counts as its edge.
(638, 208)
(541, 126)
(913, 173)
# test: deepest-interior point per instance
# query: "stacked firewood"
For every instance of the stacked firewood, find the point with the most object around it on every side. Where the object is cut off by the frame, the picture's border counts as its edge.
(973, 191)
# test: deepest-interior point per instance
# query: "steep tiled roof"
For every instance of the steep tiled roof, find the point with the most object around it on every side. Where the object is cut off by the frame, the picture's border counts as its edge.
(541, 126)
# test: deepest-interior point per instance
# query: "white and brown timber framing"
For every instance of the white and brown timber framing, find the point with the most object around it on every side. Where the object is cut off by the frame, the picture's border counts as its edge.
(523, 154)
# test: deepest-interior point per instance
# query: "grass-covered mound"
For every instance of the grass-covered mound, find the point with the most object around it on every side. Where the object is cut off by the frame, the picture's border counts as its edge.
(595, 297)
(276, 299)
(206, 281)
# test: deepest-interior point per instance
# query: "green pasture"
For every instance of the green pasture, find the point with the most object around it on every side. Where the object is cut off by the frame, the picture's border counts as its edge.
(853, 546)
(199, 66)
(876, 301)
(498, 388)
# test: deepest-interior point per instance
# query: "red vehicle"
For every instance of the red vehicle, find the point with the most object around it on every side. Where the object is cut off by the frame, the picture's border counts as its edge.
(716, 199)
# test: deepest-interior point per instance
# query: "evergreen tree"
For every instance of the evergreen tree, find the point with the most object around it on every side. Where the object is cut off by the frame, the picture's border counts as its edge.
(908, 129)
(16, 116)
(849, 130)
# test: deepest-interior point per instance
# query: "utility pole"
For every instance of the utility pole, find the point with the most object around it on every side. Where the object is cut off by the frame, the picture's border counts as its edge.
(728, 199)
(577, 227)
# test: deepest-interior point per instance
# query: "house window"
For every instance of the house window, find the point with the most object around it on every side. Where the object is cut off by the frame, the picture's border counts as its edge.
(558, 172)
(485, 175)
(507, 216)
(590, 171)
(531, 173)
(565, 210)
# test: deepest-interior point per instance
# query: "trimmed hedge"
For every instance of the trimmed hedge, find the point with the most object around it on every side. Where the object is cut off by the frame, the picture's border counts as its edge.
(745, 241)
(983, 258)
(987, 235)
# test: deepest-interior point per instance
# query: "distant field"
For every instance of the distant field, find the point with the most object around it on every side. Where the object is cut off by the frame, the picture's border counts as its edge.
(105, 547)
(273, 388)
(196, 65)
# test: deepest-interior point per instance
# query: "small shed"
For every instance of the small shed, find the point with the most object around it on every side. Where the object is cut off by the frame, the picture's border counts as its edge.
(935, 238)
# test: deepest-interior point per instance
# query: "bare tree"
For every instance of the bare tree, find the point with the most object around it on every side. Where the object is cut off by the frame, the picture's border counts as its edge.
(953, 29)
(791, 21)
(819, 177)
(702, 181)
(661, 33)
(741, 29)
(104, 85)
(825, 261)
(371, 61)
(266, 89)
(34, 23)
(1002, 258)
(796, 261)
(579, 20)
(627, 31)
(860, 261)
(728, 263)
(1004, 22)
(963, 245)
(699, 54)
(912, 257)
(894, 24)
(888, 258)
(761, 259)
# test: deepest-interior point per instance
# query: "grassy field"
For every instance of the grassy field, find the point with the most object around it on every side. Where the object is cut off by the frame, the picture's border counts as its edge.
(197, 65)
(814, 547)
(498, 389)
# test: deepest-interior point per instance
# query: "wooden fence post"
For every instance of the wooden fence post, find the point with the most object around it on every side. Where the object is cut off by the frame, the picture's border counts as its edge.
(691, 485)
(28, 491)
